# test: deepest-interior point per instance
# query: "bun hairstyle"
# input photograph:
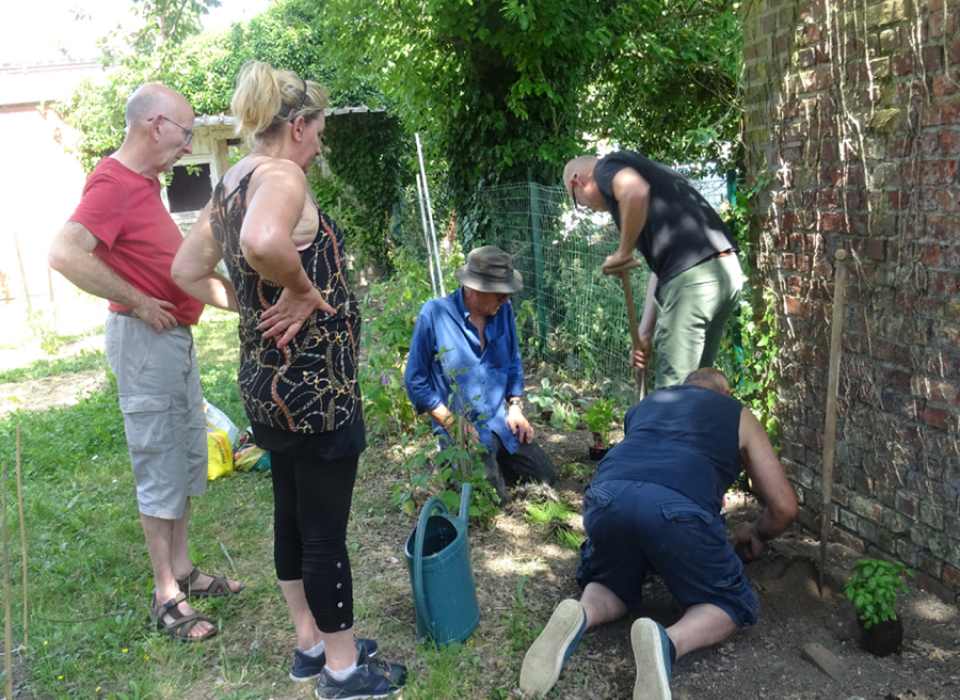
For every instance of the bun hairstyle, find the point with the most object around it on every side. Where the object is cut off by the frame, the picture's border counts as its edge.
(267, 98)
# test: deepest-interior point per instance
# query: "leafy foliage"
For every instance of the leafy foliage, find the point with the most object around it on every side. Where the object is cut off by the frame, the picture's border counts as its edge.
(364, 150)
(557, 402)
(496, 82)
(599, 417)
(505, 89)
(874, 589)
(669, 82)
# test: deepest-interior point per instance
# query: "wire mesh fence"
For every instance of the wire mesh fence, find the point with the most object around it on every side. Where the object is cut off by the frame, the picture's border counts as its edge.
(569, 312)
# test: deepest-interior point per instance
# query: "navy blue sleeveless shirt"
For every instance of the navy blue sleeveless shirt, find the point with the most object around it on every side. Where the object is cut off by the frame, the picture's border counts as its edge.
(686, 438)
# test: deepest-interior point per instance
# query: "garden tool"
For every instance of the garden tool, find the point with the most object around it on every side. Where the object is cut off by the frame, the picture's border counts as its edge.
(623, 271)
(830, 429)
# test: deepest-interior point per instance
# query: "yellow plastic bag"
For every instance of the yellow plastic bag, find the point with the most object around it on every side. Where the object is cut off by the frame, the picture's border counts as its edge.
(219, 454)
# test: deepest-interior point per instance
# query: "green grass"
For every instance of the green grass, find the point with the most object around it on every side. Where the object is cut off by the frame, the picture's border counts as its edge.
(38, 369)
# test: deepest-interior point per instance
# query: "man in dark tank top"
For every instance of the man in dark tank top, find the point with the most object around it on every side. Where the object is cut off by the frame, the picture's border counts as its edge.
(655, 504)
(696, 277)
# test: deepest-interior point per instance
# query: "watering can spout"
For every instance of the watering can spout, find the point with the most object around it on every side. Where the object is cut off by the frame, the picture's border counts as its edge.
(465, 504)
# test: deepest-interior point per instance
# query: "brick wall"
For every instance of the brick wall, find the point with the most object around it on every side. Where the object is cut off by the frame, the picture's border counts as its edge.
(852, 127)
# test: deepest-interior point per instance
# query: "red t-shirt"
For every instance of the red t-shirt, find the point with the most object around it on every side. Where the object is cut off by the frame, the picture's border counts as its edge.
(137, 237)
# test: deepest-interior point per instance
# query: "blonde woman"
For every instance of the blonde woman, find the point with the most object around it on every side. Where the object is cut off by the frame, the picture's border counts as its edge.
(299, 338)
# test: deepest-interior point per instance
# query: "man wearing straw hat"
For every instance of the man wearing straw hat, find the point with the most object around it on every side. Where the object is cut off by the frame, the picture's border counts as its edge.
(696, 278)
(465, 359)
(119, 244)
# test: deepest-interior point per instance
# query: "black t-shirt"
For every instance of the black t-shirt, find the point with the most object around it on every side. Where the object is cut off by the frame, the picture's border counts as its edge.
(682, 229)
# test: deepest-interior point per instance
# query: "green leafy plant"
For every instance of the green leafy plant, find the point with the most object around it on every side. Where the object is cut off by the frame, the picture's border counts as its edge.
(555, 404)
(874, 588)
(599, 417)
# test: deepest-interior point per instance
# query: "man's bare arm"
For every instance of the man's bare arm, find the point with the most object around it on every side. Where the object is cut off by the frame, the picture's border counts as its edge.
(194, 267)
(632, 193)
(648, 322)
(770, 482)
(70, 255)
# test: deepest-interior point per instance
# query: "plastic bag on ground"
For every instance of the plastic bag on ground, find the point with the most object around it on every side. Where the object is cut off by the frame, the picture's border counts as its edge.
(220, 421)
(219, 455)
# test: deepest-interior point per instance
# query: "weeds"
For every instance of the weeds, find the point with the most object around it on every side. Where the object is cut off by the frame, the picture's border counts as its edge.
(555, 517)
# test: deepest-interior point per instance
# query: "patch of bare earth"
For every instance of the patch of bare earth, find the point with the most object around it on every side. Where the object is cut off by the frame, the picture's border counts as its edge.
(49, 392)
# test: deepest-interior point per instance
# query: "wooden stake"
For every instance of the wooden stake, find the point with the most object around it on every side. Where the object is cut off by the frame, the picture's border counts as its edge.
(23, 541)
(830, 429)
(23, 274)
(7, 632)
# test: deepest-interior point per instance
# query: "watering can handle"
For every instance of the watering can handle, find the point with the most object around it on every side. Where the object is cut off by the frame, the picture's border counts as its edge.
(434, 503)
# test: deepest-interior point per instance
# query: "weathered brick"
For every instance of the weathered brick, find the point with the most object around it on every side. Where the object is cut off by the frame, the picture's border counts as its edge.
(927, 563)
(951, 577)
(906, 552)
(931, 515)
(935, 417)
(946, 84)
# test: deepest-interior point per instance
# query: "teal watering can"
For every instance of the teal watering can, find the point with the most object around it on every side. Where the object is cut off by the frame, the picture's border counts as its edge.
(438, 560)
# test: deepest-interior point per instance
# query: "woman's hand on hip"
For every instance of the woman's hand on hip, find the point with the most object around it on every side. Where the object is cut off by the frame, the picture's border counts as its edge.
(291, 311)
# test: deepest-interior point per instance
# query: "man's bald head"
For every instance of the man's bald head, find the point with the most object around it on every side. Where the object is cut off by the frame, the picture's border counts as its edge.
(709, 378)
(581, 165)
(153, 99)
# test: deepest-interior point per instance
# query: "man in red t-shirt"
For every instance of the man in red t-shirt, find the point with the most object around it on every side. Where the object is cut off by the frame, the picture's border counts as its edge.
(119, 244)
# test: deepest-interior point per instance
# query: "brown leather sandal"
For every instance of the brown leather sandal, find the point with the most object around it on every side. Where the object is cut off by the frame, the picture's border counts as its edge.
(182, 624)
(218, 587)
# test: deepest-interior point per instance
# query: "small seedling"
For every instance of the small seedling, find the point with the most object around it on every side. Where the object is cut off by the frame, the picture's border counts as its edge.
(874, 588)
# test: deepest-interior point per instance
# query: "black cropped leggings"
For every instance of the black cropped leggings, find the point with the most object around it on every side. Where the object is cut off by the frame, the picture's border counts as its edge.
(311, 506)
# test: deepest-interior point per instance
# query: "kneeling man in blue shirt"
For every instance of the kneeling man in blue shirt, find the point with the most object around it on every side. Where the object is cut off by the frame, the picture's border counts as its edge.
(464, 359)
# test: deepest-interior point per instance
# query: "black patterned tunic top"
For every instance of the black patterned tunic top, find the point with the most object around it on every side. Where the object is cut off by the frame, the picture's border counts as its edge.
(311, 386)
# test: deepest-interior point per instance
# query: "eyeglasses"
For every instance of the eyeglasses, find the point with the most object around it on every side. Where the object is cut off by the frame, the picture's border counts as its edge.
(573, 194)
(188, 132)
(503, 298)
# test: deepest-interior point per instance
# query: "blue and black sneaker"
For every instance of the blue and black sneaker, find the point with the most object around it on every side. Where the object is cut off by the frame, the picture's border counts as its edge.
(548, 655)
(373, 678)
(308, 668)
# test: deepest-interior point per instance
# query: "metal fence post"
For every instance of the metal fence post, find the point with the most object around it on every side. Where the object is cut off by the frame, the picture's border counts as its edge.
(538, 267)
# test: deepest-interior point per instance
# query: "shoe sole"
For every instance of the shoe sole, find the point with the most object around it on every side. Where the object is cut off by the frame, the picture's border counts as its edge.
(396, 694)
(652, 682)
(544, 660)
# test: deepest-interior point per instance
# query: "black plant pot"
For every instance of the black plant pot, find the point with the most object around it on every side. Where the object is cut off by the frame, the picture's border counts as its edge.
(882, 639)
(597, 453)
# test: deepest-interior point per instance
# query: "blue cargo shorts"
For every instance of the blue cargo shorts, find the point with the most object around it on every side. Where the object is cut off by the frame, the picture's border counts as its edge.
(162, 404)
(633, 526)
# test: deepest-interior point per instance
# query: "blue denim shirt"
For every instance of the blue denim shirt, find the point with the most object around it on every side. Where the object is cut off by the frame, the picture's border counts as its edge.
(445, 366)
